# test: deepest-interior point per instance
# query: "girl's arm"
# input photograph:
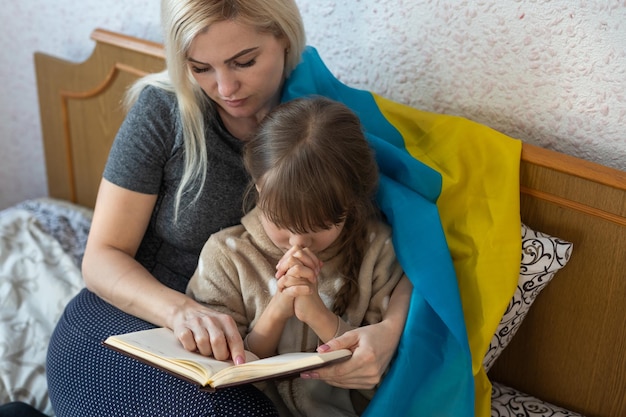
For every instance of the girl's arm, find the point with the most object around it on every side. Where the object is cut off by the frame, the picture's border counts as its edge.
(297, 279)
(297, 273)
(297, 295)
(263, 339)
(311, 310)
(110, 270)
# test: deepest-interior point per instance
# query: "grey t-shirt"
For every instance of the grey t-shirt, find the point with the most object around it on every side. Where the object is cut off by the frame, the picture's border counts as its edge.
(147, 156)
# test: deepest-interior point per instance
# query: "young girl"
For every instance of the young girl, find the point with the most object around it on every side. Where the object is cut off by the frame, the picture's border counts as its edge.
(311, 260)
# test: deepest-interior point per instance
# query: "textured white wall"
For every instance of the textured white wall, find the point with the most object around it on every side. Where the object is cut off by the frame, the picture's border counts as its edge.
(61, 28)
(550, 72)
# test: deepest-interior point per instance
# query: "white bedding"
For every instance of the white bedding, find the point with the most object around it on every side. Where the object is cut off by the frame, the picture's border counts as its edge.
(509, 402)
(41, 245)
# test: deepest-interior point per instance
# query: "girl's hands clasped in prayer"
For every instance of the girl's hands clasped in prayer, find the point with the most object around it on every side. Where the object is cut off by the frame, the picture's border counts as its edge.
(296, 275)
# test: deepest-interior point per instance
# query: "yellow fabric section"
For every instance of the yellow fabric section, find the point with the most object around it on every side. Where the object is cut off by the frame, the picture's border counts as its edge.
(479, 209)
(482, 388)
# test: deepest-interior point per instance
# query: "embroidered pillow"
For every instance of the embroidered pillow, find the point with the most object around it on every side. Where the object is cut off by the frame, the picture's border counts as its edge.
(508, 402)
(542, 257)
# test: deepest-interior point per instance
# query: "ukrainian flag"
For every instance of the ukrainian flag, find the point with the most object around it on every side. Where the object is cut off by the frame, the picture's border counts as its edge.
(449, 187)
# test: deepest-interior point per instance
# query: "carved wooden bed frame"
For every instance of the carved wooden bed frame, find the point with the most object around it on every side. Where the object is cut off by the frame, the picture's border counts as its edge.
(571, 348)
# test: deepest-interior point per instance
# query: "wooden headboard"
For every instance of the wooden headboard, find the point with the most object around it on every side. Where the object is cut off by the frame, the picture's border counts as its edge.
(570, 350)
(81, 109)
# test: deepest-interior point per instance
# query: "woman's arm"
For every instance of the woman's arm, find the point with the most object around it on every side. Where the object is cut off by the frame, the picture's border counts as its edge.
(373, 346)
(119, 222)
(110, 270)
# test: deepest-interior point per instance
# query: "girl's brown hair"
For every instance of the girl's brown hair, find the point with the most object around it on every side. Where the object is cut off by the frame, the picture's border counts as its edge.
(315, 169)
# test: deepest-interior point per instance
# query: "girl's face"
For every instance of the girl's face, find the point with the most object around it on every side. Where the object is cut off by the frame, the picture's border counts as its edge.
(315, 241)
(240, 69)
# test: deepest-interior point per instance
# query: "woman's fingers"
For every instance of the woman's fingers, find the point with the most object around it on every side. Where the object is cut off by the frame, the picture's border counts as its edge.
(212, 334)
(186, 338)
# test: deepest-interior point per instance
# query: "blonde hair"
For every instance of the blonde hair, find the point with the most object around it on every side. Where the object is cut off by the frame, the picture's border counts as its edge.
(182, 21)
(315, 169)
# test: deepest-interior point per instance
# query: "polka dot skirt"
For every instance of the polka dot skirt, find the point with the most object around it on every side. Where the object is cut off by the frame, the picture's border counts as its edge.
(88, 379)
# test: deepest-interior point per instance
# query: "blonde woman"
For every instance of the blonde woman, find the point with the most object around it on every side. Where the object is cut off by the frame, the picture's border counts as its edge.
(174, 176)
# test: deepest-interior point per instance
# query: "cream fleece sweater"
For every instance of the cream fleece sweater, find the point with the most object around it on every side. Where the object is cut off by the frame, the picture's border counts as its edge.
(235, 275)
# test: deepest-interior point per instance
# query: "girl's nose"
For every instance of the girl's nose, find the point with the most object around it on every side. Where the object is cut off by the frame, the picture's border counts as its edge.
(304, 241)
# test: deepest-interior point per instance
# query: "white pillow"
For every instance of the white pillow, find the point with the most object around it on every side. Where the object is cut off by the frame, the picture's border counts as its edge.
(508, 402)
(542, 257)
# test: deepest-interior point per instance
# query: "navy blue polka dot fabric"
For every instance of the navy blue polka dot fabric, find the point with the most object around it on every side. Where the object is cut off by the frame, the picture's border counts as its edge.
(88, 379)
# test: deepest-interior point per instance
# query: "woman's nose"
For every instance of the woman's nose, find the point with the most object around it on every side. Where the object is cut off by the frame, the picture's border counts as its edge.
(227, 84)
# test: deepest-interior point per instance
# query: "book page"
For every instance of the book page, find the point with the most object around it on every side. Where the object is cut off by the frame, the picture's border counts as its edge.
(161, 347)
(284, 364)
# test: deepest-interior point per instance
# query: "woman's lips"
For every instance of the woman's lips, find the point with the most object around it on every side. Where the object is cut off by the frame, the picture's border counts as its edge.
(235, 103)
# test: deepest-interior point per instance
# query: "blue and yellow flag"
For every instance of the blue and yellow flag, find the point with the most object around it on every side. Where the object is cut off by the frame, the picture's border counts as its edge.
(449, 188)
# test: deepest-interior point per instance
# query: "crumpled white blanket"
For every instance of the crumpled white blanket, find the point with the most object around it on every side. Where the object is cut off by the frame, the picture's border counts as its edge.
(38, 277)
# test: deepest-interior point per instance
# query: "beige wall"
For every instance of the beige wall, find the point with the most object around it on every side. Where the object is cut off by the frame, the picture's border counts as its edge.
(551, 72)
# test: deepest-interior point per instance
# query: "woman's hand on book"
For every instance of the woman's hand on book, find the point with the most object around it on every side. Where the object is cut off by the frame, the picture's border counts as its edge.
(211, 333)
(372, 351)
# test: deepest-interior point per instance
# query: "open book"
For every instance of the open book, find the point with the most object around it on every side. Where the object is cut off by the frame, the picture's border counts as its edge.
(160, 348)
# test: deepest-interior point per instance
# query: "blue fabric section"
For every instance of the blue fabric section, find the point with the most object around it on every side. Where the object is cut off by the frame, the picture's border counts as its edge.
(432, 372)
(399, 165)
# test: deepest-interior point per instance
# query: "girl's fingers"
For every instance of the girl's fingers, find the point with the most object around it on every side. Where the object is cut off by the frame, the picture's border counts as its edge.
(287, 261)
(309, 259)
(291, 280)
(296, 256)
(298, 275)
(298, 290)
(282, 263)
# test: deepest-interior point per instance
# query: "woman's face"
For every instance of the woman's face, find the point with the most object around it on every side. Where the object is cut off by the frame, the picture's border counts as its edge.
(240, 69)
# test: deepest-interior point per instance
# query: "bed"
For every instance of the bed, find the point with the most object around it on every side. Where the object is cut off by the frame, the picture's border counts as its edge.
(560, 349)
